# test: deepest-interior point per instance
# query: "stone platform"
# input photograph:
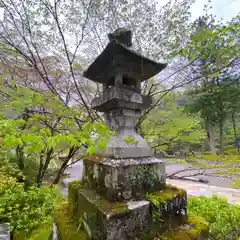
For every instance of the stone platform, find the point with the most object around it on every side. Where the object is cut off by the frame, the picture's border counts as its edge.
(124, 179)
(126, 220)
(105, 220)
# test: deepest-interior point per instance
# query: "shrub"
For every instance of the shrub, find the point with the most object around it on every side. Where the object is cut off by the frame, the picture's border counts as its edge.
(24, 209)
(224, 219)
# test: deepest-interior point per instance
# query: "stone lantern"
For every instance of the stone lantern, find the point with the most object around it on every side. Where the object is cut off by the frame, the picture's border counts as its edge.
(121, 71)
(112, 198)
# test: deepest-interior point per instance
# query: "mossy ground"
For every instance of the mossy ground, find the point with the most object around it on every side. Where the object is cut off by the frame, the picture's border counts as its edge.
(195, 229)
(67, 227)
(43, 232)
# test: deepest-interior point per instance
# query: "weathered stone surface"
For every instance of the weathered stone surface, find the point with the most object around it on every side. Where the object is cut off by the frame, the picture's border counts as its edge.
(104, 220)
(121, 98)
(169, 207)
(118, 148)
(5, 231)
(117, 57)
(123, 121)
(124, 179)
(122, 35)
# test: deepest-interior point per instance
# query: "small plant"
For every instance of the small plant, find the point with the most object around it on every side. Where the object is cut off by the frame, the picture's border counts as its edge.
(130, 140)
(144, 177)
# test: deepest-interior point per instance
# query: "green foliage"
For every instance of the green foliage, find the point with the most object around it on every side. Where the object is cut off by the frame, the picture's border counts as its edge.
(25, 209)
(215, 101)
(214, 51)
(224, 218)
(169, 128)
(213, 42)
(44, 129)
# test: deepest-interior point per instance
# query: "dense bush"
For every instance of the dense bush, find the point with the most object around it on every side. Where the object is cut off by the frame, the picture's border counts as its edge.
(224, 218)
(25, 209)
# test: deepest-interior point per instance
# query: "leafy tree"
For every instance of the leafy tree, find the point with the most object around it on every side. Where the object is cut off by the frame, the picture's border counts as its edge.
(214, 50)
(216, 102)
(169, 128)
(45, 127)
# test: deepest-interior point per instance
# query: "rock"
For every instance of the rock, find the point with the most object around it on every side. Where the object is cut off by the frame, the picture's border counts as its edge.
(5, 231)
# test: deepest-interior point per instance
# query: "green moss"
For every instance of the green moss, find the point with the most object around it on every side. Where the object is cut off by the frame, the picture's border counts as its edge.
(76, 184)
(196, 227)
(43, 232)
(168, 194)
(68, 229)
(100, 203)
(19, 235)
(112, 208)
(95, 158)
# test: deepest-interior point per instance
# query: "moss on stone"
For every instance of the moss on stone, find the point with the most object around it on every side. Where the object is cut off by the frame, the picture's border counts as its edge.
(100, 203)
(67, 227)
(76, 184)
(167, 194)
(112, 208)
(95, 158)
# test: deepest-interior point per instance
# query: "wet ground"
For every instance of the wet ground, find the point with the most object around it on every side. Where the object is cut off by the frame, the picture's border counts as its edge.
(209, 175)
(216, 184)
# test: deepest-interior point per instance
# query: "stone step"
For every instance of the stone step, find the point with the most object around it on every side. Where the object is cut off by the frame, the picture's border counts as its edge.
(106, 220)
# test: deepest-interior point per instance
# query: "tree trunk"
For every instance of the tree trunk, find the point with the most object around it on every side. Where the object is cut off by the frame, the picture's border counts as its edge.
(71, 153)
(221, 137)
(20, 158)
(211, 138)
(234, 126)
(60, 172)
(235, 132)
(45, 167)
(38, 180)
